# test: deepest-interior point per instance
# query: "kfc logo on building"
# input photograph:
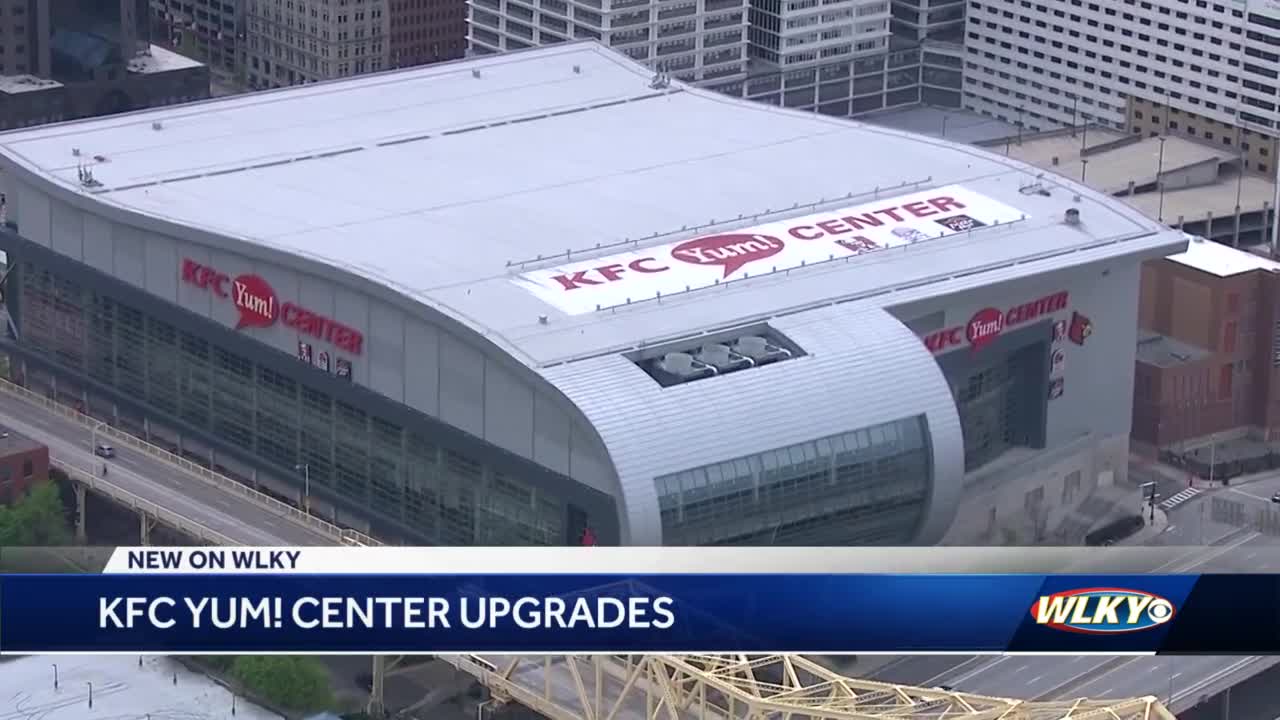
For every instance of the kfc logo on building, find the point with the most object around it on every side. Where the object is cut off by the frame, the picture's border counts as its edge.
(255, 301)
(730, 252)
(257, 305)
(988, 323)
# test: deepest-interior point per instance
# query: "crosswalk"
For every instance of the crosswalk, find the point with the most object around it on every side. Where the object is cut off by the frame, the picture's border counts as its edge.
(1180, 498)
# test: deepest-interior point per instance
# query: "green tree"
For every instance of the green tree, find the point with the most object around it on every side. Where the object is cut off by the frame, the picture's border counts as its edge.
(36, 519)
(292, 682)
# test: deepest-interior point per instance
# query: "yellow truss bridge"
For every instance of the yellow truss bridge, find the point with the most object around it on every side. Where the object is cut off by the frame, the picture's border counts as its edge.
(747, 687)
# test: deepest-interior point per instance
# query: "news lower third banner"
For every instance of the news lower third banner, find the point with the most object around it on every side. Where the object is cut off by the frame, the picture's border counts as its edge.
(317, 601)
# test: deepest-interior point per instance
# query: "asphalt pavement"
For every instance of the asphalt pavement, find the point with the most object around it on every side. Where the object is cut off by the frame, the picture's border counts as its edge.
(154, 480)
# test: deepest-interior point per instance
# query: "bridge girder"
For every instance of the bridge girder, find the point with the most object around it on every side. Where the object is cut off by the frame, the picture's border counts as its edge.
(749, 687)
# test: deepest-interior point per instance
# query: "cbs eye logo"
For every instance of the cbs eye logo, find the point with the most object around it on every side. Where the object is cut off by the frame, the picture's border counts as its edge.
(1102, 611)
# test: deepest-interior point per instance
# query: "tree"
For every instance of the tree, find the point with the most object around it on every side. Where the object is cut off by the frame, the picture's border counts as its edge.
(37, 518)
(292, 682)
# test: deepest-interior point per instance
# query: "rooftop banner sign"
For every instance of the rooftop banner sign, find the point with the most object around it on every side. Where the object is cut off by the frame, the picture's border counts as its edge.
(590, 284)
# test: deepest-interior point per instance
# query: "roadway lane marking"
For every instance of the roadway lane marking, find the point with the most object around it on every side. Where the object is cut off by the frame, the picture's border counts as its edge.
(1246, 493)
(972, 674)
(1033, 680)
(937, 679)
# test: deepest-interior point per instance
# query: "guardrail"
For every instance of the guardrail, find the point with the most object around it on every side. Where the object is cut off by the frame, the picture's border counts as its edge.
(174, 520)
(345, 536)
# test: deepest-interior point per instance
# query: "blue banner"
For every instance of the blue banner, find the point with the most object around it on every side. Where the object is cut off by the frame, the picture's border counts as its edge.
(657, 613)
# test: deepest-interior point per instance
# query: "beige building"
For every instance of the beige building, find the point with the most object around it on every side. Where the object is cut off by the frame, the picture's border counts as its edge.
(300, 41)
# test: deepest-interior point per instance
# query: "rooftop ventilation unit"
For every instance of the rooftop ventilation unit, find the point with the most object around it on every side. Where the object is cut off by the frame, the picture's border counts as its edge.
(722, 358)
(715, 354)
(684, 366)
(760, 350)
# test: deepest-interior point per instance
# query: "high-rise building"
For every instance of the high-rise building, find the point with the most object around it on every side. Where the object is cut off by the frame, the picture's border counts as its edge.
(427, 31)
(694, 40)
(212, 31)
(64, 59)
(302, 41)
(1197, 67)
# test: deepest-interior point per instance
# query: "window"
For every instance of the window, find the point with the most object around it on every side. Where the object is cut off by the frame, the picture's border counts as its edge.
(1233, 302)
(1229, 337)
(27, 468)
(1225, 375)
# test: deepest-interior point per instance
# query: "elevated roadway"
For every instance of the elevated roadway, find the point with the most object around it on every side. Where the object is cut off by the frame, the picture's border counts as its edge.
(160, 485)
(1182, 682)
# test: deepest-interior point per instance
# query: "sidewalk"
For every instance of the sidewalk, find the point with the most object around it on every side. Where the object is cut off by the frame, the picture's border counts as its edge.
(1150, 531)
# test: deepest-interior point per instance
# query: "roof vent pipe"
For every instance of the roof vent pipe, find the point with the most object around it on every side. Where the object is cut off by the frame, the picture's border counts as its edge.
(1055, 160)
(1071, 216)
(157, 125)
(542, 319)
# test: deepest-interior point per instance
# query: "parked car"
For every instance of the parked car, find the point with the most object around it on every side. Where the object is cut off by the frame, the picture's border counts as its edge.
(104, 451)
(1276, 498)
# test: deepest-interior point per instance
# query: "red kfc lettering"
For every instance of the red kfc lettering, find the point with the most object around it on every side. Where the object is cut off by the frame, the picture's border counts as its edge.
(576, 280)
(611, 272)
(205, 278)
(943, 339)
(608, 273)
(642, 266)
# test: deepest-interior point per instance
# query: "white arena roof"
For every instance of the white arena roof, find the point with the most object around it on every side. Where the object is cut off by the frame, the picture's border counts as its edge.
(448, 183)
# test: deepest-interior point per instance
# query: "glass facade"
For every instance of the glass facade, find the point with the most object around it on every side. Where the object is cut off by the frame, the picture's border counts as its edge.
(994, 403)
(281, 421)
(864, 487)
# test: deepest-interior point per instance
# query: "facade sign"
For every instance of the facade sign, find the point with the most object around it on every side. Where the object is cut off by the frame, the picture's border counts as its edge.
(1059, 331)
(259, 306)
(988, 323)
(1059, 362)
(581, 287)
(1056, 386)
(1080, 329)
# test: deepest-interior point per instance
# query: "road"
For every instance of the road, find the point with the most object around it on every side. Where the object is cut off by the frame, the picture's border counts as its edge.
(1184, 679)
(152, 479)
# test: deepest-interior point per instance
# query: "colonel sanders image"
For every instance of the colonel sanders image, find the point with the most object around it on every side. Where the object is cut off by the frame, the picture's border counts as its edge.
(1059, 331)
(1081, 328)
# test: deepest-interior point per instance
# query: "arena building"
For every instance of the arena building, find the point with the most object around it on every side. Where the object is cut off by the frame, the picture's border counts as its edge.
(547, 297)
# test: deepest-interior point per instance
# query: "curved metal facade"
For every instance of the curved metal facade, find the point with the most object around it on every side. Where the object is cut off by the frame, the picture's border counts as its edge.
(862, 368)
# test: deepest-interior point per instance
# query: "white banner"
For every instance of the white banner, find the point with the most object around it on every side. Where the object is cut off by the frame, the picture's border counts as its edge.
(586, 285)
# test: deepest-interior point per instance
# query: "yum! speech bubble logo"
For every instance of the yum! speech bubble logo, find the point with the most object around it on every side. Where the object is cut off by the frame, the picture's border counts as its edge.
(728, 251)
(255, 301)
(985, 326)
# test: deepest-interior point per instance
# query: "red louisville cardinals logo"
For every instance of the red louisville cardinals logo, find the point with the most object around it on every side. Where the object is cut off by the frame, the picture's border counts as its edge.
(1081, 328)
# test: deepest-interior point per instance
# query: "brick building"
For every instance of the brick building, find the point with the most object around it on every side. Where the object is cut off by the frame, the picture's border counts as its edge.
(23, 461)
(1208, 356)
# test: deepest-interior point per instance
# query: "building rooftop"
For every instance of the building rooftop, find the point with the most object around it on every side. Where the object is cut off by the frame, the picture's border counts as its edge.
(1251, 192)
(1221, 260)
(547, 198)
(952, 124)
(1114, 160)
(1163, 351)
(14, 84)
(121, 689)
(161, 60)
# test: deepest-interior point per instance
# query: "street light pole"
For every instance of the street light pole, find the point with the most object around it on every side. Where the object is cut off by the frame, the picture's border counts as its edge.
(1159, 182)
(101, 424)
(55, 676)
(90, 694)
(305, 469)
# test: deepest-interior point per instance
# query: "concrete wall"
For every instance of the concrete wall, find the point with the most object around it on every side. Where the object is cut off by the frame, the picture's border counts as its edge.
(428, 366)
(1087, 428)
